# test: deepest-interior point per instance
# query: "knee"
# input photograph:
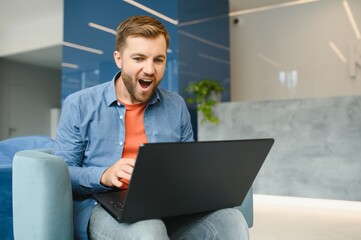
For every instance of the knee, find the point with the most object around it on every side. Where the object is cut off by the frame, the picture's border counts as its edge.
(231, 223)
(153, 229)
(232, 215)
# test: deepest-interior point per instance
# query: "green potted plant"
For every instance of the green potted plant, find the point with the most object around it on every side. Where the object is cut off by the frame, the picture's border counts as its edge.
(204, 94)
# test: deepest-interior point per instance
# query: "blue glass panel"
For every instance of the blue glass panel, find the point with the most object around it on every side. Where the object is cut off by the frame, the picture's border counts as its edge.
(203, 38)
(199, 46)
(165, 7)
(93, 68)
(197, 60)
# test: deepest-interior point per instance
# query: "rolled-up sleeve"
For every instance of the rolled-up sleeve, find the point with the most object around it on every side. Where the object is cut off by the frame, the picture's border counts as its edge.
(70, 145)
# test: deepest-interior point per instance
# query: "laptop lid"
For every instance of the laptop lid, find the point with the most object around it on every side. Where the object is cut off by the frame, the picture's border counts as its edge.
(171, 179)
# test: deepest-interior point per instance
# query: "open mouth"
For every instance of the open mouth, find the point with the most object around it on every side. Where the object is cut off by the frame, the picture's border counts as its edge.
(145, 83)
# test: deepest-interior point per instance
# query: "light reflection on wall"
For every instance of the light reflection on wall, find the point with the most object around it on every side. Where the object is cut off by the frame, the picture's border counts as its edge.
(289, 79)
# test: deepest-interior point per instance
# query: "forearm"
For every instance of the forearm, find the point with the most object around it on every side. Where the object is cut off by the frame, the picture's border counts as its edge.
(86, 180)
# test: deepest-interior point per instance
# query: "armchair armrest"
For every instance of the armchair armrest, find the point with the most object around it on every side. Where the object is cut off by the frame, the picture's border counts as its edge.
(42, 196)
(247, 208)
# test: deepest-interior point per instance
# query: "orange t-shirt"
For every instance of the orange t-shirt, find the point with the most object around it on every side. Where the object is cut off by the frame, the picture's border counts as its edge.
(134, 130)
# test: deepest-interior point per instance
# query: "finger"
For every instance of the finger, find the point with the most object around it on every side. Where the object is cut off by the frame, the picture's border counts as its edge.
(116, 182)
(127, 169)
(128, 161)
(123, 175)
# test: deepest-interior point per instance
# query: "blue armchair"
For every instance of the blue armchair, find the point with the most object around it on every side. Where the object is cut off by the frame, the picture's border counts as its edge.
(42, 201)
(8, 148)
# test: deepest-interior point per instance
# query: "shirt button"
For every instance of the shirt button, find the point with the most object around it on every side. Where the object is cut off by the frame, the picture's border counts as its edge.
(118, 103)
(121, 143)
(121, 117)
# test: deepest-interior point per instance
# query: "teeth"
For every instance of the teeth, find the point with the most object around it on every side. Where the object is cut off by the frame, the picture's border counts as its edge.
(146, 80)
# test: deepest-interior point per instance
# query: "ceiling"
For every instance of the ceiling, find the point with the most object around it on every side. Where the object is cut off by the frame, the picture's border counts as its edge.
(13, 13)
(49, 57)
(238, 5)
(16, 12)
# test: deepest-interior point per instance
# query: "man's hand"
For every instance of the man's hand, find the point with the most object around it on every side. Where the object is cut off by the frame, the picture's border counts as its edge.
(119, 173)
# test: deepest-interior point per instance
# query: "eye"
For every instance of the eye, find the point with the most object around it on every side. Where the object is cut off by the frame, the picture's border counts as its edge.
(159, 60)
(137, 59)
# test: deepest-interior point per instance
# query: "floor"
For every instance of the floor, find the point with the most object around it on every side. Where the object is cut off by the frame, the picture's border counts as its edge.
(284, 218)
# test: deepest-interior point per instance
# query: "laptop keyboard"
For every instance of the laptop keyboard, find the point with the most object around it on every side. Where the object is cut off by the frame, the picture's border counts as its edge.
(117, 205)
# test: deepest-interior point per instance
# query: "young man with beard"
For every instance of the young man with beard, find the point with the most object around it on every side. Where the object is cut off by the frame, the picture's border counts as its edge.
(100, 131)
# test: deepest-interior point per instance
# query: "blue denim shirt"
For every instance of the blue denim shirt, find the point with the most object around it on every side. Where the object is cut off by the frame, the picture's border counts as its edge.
(91, 134)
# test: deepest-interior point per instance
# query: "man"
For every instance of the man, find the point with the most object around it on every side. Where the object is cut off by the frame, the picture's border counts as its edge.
(102, 127)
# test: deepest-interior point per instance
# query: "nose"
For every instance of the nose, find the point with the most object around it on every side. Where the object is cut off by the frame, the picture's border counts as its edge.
(149, 68)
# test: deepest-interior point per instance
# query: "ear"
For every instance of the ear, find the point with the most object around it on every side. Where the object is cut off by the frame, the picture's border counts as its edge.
(118, 59)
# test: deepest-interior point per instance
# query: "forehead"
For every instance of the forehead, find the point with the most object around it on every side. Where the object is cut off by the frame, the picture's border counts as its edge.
(145, 45)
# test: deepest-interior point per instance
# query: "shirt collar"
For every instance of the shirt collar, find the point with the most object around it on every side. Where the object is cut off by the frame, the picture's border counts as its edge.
(111, 96)
(154, 98)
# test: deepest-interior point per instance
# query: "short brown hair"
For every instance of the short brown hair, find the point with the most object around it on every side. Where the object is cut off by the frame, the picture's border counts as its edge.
(139, 26)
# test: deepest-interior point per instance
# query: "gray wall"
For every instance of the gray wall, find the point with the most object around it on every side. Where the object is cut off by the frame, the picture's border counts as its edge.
(317, 144)
(27, 93)
(286, 53)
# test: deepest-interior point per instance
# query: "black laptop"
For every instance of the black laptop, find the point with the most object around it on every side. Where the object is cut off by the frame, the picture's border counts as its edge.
(171, 179)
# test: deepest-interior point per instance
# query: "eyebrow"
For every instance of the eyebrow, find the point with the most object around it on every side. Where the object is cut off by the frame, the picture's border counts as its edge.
(142, 55)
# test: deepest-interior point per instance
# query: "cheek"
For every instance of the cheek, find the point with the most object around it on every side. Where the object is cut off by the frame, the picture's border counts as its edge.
(129, 68)
(160, 71)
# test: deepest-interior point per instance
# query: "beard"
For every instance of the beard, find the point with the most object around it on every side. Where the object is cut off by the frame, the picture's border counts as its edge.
(131, 86)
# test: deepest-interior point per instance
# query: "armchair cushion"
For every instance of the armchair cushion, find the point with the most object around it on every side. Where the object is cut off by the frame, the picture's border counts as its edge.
(10, 146)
